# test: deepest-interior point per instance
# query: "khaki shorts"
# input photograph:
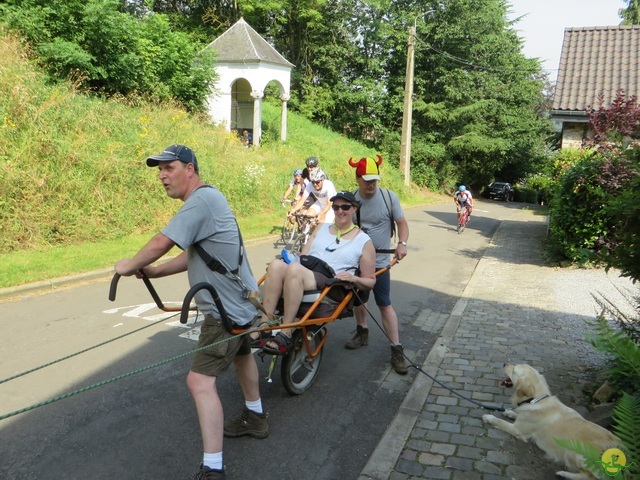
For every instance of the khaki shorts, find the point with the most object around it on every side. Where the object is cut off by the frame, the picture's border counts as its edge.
(214, 361)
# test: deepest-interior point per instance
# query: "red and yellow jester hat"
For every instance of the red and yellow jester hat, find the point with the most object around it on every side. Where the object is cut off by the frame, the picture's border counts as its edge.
(367, 168)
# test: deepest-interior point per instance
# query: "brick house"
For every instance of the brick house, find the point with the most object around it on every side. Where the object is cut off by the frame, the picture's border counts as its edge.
(594, 60)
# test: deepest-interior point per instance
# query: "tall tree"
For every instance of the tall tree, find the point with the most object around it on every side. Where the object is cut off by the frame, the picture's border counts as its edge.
(631, 14)
(477, 96)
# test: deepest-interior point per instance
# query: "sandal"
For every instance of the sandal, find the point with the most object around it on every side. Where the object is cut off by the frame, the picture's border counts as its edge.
(283, 345)
(263, 336)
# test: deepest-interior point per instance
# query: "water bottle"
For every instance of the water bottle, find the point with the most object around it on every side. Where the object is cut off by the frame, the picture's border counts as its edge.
(288, 257)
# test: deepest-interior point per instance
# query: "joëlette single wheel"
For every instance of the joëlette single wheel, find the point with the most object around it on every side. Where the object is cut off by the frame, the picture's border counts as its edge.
(298, 371)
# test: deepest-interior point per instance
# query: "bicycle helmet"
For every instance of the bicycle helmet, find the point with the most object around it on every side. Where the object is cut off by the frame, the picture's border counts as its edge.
(312, 162)
(317, 175)
(297, 172)
(462, 188)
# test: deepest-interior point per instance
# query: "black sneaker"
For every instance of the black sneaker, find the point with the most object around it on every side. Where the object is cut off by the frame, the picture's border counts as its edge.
(249, 423)
(206, 473)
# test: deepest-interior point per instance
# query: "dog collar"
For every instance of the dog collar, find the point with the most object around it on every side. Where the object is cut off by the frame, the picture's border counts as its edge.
(533, 400)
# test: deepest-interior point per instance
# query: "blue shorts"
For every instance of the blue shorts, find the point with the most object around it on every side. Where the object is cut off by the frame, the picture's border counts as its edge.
(381, 290)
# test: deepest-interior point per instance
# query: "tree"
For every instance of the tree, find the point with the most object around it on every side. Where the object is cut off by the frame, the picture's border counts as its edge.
(330, 43)
(616, 131)
(593, 213)
(479, 103)
(631, 14)
(111, 52)
(620, 120)
(477, 97)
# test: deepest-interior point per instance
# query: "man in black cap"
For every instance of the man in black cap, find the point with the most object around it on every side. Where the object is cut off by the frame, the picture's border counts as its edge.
(206, 220)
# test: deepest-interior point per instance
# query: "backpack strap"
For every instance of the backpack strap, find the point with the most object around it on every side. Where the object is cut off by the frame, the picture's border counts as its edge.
(214, 264)
(389, 211)
(393, 223)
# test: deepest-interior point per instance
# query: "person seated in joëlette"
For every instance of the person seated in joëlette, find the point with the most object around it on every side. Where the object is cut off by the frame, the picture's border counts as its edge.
(342, 245)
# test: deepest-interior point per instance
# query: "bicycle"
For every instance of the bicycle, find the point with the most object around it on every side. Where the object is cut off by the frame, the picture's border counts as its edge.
(289, 227)
(463, 220)
(305, 224)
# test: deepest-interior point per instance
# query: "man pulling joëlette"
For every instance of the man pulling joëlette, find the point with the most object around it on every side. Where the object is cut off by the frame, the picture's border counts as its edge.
(206, 219)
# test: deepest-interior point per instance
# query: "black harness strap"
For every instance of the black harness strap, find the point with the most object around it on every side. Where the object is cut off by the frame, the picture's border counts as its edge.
(214, 264)
(211, 261)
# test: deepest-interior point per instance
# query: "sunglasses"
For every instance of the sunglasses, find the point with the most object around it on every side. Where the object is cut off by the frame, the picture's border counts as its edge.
(315, 182)
(344, 207)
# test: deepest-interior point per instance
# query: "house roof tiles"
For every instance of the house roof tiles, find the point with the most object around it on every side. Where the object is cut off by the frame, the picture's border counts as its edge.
(594, 60)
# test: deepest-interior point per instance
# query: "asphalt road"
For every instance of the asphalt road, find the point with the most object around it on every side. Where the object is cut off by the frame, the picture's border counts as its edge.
(144, 425)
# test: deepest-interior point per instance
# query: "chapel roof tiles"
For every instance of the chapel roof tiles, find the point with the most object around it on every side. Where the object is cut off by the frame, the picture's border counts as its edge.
(242, 44)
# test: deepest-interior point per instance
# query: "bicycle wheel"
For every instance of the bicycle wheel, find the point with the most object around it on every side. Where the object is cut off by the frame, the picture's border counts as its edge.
(463, 221)
(298, 243)
(298, 371)
(288, 230)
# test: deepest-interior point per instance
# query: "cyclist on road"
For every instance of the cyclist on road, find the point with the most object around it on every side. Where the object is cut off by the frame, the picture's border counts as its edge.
(311, 165)
(322, 190)
(298, 184)
(463, 199)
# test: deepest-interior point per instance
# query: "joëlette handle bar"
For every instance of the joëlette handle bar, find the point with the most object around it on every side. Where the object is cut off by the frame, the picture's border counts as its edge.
(156, 298)
(186, 304)
(394, 260)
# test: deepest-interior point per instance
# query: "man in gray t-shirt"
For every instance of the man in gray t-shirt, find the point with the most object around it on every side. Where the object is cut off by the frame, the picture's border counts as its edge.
(380, 214)
(206, 219)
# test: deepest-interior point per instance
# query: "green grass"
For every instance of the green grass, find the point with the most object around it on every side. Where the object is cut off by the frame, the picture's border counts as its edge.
(76, 194)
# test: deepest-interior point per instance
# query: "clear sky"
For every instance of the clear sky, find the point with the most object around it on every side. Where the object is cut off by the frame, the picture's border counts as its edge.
(542, 27)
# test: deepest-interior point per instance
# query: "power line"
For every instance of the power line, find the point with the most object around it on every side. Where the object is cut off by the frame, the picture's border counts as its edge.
(468, 62)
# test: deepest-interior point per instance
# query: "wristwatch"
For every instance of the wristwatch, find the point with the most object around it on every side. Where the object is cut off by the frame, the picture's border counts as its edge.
(403, 243)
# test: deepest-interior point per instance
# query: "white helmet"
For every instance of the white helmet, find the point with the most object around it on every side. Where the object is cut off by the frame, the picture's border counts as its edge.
(317, 175)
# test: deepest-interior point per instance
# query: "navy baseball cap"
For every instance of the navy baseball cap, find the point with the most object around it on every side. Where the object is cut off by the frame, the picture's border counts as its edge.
(174, 152)
(346, 195)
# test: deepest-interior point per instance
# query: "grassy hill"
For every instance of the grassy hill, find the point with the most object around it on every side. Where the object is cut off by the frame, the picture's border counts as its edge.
(75, 193)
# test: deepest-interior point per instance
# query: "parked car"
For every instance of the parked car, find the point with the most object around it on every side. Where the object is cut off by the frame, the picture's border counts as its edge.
(500, 191)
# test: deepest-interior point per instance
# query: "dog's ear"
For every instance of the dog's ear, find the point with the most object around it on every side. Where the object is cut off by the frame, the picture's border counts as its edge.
(525, 387)
(522, 392)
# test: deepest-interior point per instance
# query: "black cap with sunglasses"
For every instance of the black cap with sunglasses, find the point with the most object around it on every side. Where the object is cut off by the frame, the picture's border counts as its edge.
(347, 196)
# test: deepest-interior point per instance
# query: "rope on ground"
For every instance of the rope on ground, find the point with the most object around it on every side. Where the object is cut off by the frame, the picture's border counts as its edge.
(119, 377)
(26, 372)
(419, 369)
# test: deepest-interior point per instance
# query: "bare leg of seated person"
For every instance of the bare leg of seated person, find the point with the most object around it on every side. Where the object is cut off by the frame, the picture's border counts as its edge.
(289, 281)
(273, 284)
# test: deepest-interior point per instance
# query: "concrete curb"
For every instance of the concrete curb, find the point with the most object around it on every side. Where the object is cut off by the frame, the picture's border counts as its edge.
(389, 449)
(53, 284)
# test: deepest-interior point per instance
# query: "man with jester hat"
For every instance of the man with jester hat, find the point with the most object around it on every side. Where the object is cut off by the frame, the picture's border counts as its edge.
(381, 216)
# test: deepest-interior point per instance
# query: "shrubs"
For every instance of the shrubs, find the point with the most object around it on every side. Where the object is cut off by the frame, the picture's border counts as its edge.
(589, 213)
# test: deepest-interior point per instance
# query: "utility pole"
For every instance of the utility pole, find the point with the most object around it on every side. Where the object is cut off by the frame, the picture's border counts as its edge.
(405, 142)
